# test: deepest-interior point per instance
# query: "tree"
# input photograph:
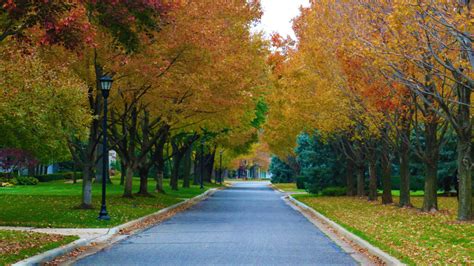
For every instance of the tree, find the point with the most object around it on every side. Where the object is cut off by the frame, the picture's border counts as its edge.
(281, 171)
(12, 160)
(43, 103)
(118, 29)
(54, 22)
(321, 165)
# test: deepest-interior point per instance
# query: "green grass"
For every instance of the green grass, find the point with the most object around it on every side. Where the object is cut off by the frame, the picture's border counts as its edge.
(408, 234)
(291, 187)
(396, 193)
(54, 204)
(288, 187)
(17, 245)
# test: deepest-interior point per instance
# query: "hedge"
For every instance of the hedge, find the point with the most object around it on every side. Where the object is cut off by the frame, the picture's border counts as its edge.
(26, 181)
(334, 191)
(57, 176)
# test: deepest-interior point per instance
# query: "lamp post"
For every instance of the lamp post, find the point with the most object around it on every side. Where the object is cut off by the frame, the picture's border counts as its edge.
(202, 164)
(220, 166)
(105, 85)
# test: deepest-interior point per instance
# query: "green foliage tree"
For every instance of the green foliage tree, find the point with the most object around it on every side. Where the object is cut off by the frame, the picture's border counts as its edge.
(321, 166)
(281, 171)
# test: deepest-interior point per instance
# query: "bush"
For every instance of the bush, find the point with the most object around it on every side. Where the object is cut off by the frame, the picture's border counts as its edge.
(281, 171)
(26, 181)
(57, 176)
(300, 182)
(8, 180)
(6, 184)
(9, 175)
(334, 191)
(319, 178)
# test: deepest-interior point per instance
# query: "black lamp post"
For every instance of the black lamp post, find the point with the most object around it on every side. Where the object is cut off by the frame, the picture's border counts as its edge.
(202, 164)
(220, 166)
(105, 85)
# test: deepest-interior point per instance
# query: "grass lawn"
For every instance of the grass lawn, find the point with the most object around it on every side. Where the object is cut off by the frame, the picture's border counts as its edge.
(408, 234)
(16, 245)
(288, 187)
(53, 204)
(291, 187)
(412, 193)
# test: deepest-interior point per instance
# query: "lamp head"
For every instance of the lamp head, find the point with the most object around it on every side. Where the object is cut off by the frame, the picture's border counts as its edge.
(106, 83)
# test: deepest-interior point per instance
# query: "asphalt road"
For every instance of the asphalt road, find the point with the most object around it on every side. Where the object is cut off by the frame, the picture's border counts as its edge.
(248, 224)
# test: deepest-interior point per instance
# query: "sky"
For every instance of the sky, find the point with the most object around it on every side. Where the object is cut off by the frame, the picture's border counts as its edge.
(277, 16)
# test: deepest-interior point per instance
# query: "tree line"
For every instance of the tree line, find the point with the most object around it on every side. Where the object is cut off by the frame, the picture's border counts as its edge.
(385, 83)
(189, 77)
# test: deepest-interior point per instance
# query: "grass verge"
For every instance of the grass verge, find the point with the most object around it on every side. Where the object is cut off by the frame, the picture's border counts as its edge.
(54, 204)
(17, 245)
(289, 187)
(408, 234)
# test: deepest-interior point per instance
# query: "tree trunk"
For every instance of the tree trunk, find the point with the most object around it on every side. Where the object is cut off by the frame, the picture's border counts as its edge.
(159, 182)
(160, 165)
(350, 178)
(196, 169)
(127, 192)
(386, 177)
(205, 162)
(430, 200)
(88, 173)
(177, 158)
(192, 167)
(122, 173)
(372, 178)
(466, 200)
(160, 169)
(361, 182)
(208, 166)
(143, 172)
(74, 175)
(175, 172)
(98, 164)
(464, 150)
(405, 200)
(187, 168)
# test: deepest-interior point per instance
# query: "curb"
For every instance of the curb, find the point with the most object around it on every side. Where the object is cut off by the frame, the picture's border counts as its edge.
(388, 259)
(51, 254)
(59, 251)
(196, 199)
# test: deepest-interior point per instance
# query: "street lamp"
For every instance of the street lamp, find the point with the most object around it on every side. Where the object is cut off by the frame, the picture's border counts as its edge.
(105, 85)
(202, 164)
(220, 166)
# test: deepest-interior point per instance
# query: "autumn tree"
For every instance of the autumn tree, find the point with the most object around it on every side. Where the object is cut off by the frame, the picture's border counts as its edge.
(42, 103)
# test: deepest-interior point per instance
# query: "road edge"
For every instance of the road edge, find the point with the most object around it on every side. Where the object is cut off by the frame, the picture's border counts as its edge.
(112, 232)
(371, 249)
(277, 189)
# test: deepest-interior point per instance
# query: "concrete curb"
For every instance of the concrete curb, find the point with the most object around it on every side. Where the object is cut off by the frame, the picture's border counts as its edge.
(53, 253)
(388, 259)
(196, 199)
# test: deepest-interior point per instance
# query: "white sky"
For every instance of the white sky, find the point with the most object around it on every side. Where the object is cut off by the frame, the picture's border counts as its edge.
(277, 16)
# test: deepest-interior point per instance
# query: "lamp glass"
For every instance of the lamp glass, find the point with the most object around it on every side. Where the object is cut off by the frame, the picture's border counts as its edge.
(106, 83)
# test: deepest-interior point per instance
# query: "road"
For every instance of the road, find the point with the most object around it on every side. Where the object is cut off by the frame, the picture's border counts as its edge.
(247, 224)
